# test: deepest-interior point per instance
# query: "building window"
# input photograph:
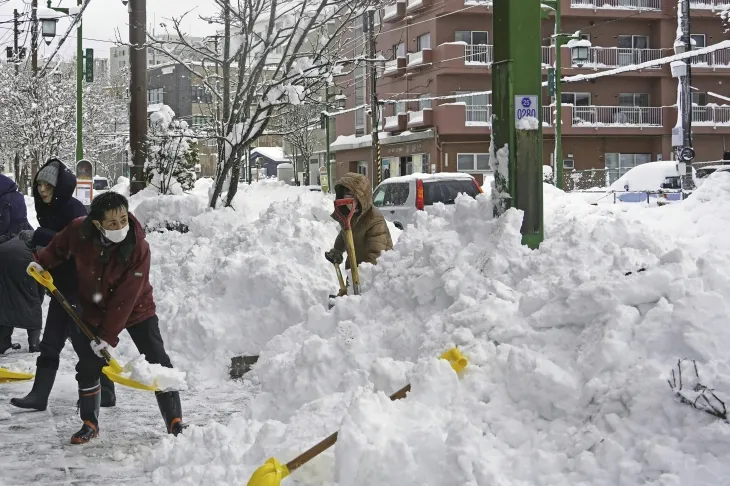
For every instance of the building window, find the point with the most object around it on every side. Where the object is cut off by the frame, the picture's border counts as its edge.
(399, 50)
(155, 95)
(472, 37)
(699, 99)
(619, 164)
(630, 49)
(633, 99)
(700, 41)
(569, 164)
(201, 94)
(576, 99)
(362, 168)
(423, 42)
(425, 103)
(360, 100)
(400, 107)
(478, 108)
(472, 163)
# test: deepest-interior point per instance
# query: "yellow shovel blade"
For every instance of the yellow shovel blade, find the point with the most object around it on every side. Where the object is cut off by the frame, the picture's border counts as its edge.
(457, 360)
(7, 376)
(114, 370)
(270, 474)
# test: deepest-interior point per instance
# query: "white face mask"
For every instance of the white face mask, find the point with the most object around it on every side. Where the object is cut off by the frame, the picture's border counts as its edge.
(116, 236)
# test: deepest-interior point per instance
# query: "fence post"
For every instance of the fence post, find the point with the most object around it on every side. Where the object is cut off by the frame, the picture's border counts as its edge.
(614, 197)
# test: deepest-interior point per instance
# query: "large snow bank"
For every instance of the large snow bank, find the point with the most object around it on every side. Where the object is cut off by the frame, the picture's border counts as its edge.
(236, 277)
(568, 355)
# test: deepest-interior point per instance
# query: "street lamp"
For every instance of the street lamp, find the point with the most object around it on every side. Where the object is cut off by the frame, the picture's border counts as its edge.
(48, 30)
(579, 54)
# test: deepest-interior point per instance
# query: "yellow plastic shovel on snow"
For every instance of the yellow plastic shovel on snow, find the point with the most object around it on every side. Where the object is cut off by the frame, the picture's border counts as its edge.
(113, 369)
(7, 376)
(272, 472)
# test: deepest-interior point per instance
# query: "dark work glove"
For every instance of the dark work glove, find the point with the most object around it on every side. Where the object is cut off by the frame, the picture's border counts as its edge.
(333, 256)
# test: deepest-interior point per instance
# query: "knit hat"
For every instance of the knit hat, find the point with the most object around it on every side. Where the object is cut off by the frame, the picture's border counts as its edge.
(49, 174)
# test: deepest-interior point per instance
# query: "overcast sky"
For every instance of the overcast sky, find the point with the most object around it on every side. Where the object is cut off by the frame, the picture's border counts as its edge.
(102, 18)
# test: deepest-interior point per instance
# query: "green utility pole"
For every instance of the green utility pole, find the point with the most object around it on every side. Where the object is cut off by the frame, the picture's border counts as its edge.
(517, 93)
(79, 82)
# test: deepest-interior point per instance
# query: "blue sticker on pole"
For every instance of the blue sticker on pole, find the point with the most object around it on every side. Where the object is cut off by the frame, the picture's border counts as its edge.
(525, 107)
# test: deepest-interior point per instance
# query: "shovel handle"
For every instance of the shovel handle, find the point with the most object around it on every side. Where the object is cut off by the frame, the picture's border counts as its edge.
(457, 361)
(340, 279)
(350, 244)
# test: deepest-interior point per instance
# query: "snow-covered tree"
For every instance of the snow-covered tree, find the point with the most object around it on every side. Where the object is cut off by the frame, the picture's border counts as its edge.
(299, 128)
(172, 153)
(37, 119)
(274, 53)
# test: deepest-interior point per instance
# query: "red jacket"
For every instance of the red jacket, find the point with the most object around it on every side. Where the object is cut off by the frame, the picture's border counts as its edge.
(114, 289)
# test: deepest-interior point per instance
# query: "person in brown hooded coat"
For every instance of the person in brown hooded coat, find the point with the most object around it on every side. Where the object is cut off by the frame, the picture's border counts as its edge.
(369, 231)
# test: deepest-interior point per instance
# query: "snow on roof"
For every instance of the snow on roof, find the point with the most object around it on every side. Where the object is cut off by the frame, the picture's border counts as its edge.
(273, 153)
(646, 177)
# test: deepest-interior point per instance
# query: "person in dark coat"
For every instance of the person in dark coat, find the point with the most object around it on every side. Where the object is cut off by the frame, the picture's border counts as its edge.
(55, 207)
(112, 259)
(20, 296)
(13, 213)
(19, 304)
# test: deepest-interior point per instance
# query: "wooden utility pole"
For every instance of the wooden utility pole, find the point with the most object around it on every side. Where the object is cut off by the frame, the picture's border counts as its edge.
(374, 111)
(34, 36)
(138, 92)
(16, 39)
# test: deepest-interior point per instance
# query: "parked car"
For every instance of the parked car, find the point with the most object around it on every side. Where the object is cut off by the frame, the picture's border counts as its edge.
(398, 198)
(703, 172)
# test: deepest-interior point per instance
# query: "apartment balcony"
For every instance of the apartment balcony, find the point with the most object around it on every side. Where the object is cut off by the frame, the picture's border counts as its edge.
(396, 123)
(709, 5)
(394, 13)
(613, 120)
(420, 58)
(475, 6)
(395, 67)
(650, 9)
(420, 119)
(458, 57)
(710, 119)
(463, 119)
(613, 57)
(413, 5)
(711, 62)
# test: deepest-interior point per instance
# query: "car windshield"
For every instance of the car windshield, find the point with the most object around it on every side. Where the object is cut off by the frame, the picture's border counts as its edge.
(101, 184)
(391, 194)
(446, 191)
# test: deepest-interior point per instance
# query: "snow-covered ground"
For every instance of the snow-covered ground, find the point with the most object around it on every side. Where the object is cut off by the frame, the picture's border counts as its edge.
(568, 355)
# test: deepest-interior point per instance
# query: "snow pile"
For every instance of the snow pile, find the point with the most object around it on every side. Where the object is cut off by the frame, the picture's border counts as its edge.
(20, 366)
(568, 355)
(238, 276)
(154, 375)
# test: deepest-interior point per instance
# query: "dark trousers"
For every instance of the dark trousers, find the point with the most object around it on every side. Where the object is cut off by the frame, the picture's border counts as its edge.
(58, 327)
(146, 337)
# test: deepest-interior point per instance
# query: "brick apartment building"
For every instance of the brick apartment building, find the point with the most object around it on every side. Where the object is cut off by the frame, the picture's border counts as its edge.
(445, 47)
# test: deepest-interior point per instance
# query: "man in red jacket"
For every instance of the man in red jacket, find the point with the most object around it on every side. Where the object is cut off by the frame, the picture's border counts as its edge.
(112, 259)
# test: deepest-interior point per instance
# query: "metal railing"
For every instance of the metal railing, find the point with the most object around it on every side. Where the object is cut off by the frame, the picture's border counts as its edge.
(618, 4)
(548, 59)
(711, 115)
(415, 58)
(547, 115)
(710, 4)
(616, 116)
(479, 114)
(479, 53)
(719, 58)
(611, 57)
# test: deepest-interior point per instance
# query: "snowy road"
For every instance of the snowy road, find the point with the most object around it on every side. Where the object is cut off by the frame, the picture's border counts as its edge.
(35, 446)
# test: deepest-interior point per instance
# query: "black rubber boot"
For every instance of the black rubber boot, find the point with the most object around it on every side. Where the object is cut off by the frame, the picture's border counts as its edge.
(89, 403)
(34, 341)
(38, 397)
(108, 395)
(6, 334)
(169, 403)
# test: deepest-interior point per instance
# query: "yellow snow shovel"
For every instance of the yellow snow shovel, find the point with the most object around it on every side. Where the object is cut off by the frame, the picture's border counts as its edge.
(113, 369)
(7, 376)
(346, 220)
(272, 472)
